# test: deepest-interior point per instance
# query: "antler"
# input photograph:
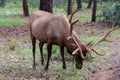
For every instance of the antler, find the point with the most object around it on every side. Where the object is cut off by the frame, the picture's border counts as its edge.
(70, 20)
(72, 23)
(72, 26)
(97, 53)
(102, 39)
(78, 49)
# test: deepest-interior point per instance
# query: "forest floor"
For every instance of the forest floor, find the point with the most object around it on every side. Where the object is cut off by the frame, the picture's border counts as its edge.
(17, 64)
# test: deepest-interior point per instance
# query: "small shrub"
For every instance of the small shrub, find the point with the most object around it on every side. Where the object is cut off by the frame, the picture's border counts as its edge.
(13, 43)
(110, 13)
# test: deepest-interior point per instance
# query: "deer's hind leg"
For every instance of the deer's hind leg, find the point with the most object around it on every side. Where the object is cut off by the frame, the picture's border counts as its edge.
(49, 49)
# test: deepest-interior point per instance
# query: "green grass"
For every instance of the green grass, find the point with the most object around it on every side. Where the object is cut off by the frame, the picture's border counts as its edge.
(87, 39)
(12, 14)
(24, 53)
(22, 62)
(13, 21)
(83, 16)
(55, 66)
(115, 33)
(60, 10)
(15, 10)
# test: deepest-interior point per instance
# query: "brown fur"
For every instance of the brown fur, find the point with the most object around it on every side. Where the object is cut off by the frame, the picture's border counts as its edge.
(53, 29)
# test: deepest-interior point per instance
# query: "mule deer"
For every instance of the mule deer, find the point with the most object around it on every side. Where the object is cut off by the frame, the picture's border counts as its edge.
(57, 29)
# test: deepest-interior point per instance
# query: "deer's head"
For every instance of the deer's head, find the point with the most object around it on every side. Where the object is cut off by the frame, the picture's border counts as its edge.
(82, 49)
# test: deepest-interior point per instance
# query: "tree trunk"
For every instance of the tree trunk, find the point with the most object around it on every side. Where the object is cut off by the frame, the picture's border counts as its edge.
(89, 3)
(46, 5)
(79, 4)
(94, 10)
(69, 10)
(41, 4)
(3, 3)
(25, 8)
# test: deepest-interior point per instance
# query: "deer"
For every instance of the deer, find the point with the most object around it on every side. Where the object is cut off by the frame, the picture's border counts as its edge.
(58, 30)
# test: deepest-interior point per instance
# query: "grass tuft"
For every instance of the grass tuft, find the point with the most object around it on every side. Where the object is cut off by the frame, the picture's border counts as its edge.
(13, 43)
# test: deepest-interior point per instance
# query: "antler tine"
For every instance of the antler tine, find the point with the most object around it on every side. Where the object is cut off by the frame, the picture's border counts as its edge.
(71, 29)
(97, 53)
(74, 52)
(89, 44)
(104, 38)
(72, 23)
(70, 20)
(91, 55)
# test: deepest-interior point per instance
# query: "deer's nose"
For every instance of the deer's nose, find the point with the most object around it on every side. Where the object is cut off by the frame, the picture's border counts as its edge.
(79, 66)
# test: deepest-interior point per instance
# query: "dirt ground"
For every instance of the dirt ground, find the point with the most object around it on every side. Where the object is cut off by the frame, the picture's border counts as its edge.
(107, 69)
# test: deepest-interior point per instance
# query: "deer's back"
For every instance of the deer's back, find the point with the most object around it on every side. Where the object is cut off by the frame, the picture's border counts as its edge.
(52, 28)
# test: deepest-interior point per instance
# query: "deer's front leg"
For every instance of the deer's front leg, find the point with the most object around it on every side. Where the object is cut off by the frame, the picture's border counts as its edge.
(62, 54)
(49, 49)
(41, 52)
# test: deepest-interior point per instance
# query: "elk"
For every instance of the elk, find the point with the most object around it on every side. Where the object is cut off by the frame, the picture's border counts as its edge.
(57, 29)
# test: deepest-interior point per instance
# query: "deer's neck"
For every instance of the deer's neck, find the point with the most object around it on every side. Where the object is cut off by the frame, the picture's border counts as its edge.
(70, 45)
